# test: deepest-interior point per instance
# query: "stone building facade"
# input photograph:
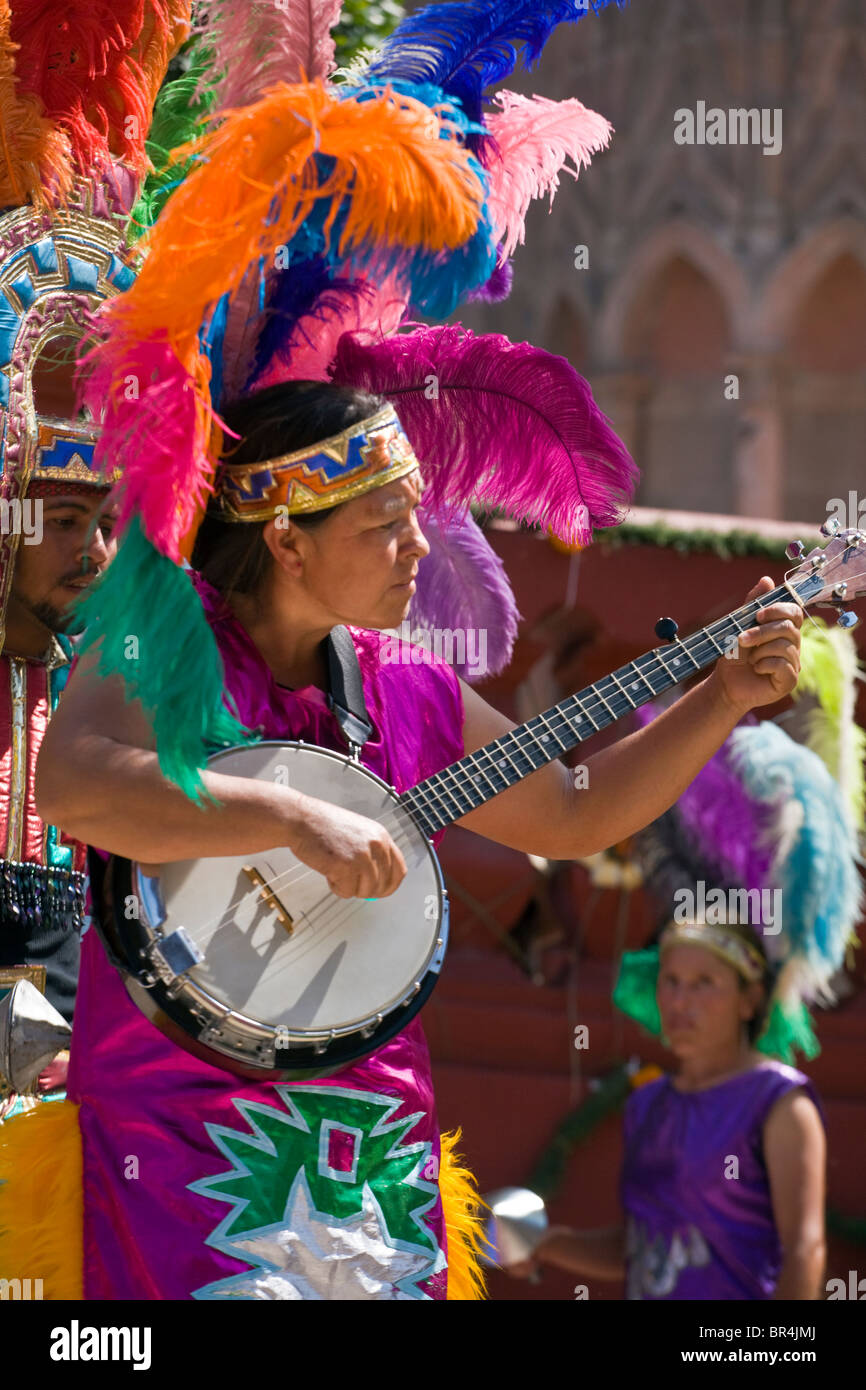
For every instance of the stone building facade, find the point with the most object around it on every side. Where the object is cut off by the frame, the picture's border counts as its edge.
(721, 315)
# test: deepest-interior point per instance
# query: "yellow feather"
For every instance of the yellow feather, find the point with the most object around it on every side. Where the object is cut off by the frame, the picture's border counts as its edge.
(464, 1223)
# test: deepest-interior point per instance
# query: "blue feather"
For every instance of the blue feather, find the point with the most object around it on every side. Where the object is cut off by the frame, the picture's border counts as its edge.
(290, 294)
(438, 280)
(465, 48)
(211, 338)
(820, 883)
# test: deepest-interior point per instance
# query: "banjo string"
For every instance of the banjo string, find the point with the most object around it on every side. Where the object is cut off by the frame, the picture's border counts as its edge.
(293, 876)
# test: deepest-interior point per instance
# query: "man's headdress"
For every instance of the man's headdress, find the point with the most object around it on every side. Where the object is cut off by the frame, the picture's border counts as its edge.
(77, 85)
(305, 225)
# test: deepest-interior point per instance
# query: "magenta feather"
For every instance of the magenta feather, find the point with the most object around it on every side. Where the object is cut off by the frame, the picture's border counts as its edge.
(535, 138)
(503, 423)
(366, 307)
(153, 431)
(462, 588)
(254, 44)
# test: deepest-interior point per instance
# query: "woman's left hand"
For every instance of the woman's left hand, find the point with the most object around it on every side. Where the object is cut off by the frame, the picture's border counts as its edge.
(765, 664)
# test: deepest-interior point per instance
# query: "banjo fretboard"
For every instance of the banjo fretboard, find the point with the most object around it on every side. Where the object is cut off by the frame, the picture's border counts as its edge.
(467, 784)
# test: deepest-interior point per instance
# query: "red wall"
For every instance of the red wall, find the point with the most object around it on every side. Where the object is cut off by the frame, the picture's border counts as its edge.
(505, 1067)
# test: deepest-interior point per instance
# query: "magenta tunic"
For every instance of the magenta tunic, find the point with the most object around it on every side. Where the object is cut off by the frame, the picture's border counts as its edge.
(695, 1188)
(198, 1183)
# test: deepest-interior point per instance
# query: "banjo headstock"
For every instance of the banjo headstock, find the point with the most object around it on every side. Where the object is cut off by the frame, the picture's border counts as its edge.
(832, 574)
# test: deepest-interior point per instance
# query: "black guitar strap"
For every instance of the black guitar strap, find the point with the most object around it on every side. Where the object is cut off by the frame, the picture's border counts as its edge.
(346, 695)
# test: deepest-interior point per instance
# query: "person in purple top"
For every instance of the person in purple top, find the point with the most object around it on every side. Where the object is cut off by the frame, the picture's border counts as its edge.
(722, 1184)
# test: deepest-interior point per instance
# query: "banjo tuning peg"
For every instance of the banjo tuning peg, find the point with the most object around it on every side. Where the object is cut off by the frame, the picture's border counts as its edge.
(666, 629)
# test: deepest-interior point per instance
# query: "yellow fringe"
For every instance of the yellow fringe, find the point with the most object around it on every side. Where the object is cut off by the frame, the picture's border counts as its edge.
(41, 1222)
(464, 1223)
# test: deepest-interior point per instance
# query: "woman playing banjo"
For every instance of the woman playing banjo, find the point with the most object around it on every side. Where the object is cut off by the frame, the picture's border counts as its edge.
(273, 591)
(277, 420)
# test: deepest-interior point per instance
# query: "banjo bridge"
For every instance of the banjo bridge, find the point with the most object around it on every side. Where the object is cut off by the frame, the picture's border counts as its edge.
(267, 895)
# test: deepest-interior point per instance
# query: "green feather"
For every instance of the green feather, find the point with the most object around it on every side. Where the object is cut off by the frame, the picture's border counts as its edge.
(146, 621)
(787, 1031)
(635, 990)
(830, 670)
(181, 106)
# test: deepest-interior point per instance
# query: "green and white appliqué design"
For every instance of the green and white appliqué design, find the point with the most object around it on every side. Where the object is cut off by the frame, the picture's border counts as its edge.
(312, 1231)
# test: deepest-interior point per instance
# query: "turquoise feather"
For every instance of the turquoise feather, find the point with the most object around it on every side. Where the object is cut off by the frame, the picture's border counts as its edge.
(816, 868)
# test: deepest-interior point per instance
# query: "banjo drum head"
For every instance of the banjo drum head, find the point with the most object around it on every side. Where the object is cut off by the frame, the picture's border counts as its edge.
(344, 961)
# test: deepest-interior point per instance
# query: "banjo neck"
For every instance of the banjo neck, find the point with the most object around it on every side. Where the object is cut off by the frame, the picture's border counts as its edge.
(478, 777)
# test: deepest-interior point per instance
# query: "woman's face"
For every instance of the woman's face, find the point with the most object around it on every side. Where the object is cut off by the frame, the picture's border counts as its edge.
(360, 565)
(701, 1002)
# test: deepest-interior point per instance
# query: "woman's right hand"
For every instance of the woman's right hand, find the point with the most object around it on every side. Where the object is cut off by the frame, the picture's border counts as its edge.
(356, 855)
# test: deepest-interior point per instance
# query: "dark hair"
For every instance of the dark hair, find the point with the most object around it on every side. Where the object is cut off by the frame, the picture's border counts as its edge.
(232, 555)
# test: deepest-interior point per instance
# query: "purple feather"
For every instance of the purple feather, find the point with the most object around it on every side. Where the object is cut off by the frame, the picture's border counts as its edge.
(497, 288)
(729, 832)
(504, 423)
(730, 829)
(462, 588)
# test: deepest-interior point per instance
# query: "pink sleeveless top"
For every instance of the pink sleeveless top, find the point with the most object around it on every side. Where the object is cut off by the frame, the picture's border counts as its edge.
(200, 1184)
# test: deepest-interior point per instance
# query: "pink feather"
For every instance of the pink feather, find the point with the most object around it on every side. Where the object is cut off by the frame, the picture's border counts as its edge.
(503, 423)
(376, 311)
(258, 42)
(536, 138)
(239, 341)
(153, 431)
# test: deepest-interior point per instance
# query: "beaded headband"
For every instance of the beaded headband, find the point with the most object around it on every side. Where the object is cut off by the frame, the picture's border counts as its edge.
(746, 959)
(365, 456)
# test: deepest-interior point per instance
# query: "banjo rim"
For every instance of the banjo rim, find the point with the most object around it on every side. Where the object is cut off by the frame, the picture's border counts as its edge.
(315, 1052)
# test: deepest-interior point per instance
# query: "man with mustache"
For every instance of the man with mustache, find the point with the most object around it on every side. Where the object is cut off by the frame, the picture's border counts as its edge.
(41, 870)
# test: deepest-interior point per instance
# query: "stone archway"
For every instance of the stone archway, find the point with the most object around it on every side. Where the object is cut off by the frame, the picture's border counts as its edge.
(677, 339)
(674, 240)
(824, 408)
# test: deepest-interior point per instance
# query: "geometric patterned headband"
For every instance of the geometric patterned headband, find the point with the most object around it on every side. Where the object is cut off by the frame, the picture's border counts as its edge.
(367, 455)
(732, 948)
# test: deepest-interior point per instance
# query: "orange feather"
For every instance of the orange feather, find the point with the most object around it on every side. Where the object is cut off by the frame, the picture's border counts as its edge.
(264, 182)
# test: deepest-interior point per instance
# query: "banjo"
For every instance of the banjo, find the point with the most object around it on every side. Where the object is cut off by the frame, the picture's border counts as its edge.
(251, 963)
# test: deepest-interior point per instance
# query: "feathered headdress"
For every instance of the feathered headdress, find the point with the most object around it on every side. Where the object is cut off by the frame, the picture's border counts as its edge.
(77, 87)
(830, 673)
(764, 814)
(305, 225)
